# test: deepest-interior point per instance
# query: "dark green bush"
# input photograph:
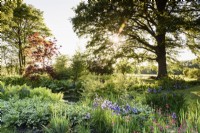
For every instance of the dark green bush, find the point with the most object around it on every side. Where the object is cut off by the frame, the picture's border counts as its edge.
(42, 81)
(63, 75)
(24, 92)
(194, 82)
(13, 80)
(172, 83)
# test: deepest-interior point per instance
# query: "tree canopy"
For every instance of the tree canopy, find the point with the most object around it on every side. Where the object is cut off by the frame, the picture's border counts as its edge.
(150, 29)
(20, 21)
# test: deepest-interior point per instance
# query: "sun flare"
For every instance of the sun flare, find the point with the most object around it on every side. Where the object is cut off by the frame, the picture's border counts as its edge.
(115, 38)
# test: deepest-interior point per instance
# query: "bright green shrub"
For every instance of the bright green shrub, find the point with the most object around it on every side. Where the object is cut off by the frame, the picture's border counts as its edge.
(15, 91)
(102, 121)
(195, 73)
(61, 67)
(190, 119)
(68, 117)
(46, 94)
(75, 112)
(105, 86)
(78, 66)
(25, 91)
(58, 125)
(83, 129)
(91, 83)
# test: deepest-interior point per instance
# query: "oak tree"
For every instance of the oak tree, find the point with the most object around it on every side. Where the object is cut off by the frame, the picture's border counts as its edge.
(150, 29)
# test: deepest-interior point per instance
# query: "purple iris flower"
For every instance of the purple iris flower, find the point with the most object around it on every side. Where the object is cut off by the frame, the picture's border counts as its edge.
(135, 110)
(149, 90)
(95, 104)
(174, 115)
(87, 116)
(127, 107)
(116, 108)
(103, 105)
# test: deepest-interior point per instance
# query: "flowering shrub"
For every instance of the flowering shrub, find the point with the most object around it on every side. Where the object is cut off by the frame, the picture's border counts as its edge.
(114, 117)
(124, 109)
(185, 121)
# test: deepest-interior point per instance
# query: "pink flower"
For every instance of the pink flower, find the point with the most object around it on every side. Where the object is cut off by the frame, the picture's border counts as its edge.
(167, 126)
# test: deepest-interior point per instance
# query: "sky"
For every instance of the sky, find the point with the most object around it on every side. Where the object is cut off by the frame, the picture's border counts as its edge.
(57, 14)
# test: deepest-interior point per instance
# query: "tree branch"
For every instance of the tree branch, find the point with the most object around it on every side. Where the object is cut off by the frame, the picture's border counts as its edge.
(144, 27)
(142, 41)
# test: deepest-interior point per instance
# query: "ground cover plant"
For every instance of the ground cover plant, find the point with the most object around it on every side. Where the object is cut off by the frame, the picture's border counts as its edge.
(26, 109)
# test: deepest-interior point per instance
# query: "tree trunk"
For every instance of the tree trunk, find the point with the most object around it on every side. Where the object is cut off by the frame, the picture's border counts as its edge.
(20, 58)
(20, 65)
(24, 60)
(161, 56)
(160, 38)
(162, 65)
